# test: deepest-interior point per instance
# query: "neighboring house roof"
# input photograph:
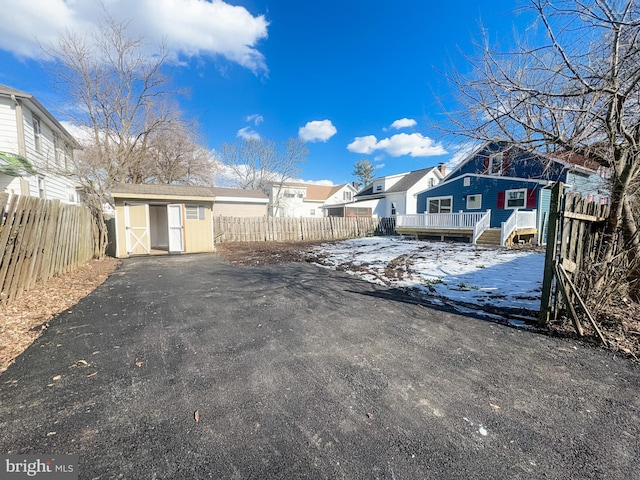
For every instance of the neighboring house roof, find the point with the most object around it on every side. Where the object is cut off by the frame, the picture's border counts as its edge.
(318, 193)
(575, 159)
(12, 92)
(402, 185)
(129, 190)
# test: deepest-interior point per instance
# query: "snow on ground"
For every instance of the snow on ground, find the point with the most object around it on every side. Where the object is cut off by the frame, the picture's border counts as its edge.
(486, 277)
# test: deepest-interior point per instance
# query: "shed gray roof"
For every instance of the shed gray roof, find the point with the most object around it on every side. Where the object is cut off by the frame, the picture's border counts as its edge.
(121, 189)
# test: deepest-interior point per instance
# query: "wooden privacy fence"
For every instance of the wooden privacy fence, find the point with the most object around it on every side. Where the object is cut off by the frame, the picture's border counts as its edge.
(574, 242)
(40, 239)
(258, 229)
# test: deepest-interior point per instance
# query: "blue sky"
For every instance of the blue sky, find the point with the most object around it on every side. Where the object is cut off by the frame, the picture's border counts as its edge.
(337, 73)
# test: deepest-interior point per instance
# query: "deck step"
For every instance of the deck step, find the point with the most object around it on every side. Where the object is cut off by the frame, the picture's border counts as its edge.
(491, 236)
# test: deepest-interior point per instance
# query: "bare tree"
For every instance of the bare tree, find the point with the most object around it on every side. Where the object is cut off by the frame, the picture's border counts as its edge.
(363, 171)
(256, 163)
(120, 102)
(574, 86)
(178, 157)
(263, 165)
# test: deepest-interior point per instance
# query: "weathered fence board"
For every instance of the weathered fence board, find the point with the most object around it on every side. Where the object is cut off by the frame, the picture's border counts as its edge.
(40, 239)
(576, 227)
(259, 229)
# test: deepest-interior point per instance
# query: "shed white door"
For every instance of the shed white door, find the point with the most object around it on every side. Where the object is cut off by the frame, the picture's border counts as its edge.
(136, 220)
(176, 229)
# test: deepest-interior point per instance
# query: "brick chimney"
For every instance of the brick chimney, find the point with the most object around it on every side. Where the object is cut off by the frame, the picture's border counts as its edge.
(443, 168)
(355, 185)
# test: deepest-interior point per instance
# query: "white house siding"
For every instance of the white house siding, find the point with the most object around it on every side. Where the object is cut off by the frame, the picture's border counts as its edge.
(420, 186)
(8, 130)
(44, 161)
(11, 185)
(339, 196)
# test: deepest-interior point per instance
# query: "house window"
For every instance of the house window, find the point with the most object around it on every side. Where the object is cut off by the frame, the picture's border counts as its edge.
(440, 204)
(67, 154)
(515, 198)
(378, 188)
(474, 202)
(432, 182)
(495, 164)
(194, 212)
(393, 208)
(346, 196)
(289, 195)
(466, 182)
(42, 193)
(313, 212)
(37, 134)
(56, 150)
(300, 195)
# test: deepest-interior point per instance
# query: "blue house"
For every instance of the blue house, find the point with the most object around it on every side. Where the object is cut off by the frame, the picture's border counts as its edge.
(499, 194)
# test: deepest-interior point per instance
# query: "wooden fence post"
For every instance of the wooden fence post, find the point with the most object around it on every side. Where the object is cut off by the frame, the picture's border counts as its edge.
(550, 258)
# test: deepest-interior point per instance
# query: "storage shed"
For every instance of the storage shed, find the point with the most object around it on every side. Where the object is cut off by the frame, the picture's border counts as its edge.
(156, 219)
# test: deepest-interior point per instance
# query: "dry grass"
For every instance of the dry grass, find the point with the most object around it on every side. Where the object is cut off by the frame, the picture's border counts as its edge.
(22, 321)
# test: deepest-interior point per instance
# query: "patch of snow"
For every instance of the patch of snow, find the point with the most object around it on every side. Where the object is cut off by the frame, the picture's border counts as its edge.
(458, 272)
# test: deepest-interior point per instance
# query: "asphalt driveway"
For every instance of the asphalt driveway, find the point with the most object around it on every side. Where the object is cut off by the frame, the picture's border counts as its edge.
(301, 372)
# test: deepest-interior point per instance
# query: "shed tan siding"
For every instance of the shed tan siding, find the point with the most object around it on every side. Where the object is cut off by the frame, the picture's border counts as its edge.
(198, 234)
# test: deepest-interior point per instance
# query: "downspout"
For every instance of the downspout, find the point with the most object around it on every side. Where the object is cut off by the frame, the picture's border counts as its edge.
(22, 149)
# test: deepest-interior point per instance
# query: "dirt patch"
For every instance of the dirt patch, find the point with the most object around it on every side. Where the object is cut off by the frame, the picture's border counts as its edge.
(618, 321)
(265, 253)
(27, 317)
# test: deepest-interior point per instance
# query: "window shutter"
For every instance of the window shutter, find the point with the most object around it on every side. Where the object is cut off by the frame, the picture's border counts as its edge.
(531, 198)
(506, 162)
(485, 165)
(501, 200)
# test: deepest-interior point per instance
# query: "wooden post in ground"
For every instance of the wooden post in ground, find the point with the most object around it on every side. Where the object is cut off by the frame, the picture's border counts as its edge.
(550, 258)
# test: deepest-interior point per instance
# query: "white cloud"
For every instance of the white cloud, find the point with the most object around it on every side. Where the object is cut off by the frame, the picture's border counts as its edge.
(404, 123)
(324, 183)
(413, 144)
(188, 28)
(247, 134)
(365, 145)
(256, 119)
(317, 131)
(83, 135)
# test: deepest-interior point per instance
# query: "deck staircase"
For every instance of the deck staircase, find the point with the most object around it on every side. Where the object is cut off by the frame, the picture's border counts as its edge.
(490, 236)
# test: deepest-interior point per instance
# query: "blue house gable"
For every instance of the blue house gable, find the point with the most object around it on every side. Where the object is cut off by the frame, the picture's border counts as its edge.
(499, 159)
(499, 179)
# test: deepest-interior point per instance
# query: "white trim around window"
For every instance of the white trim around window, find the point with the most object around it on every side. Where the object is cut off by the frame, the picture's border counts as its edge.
(516, 198)
(440, 204)
(474, 202)
(495, 163)
(194, 212)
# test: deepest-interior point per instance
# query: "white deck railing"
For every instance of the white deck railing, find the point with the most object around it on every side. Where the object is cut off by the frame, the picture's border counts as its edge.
(481, 226)
(516, 221)
(440, 220)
